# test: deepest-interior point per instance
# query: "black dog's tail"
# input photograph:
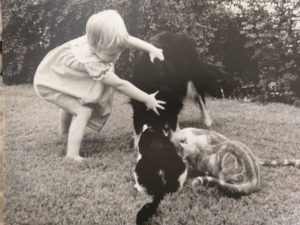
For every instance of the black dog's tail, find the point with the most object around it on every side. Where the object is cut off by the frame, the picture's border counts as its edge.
(149, 209)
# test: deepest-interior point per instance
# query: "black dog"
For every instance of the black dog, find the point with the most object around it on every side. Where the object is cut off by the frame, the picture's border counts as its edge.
(159, 170)
(180, 69)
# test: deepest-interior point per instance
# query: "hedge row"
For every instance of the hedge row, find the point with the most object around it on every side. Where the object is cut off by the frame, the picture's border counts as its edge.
(256, 44)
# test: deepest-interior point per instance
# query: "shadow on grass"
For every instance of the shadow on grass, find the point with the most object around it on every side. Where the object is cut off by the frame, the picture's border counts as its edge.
(217, 125)
(217, 193)
(184, 124)
(95, 146)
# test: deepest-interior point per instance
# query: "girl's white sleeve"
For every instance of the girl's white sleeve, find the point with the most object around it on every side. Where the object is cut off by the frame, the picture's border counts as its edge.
(98, 70)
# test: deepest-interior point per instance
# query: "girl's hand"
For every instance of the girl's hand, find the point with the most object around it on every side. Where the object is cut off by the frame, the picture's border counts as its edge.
(156, 53)
(153, 103)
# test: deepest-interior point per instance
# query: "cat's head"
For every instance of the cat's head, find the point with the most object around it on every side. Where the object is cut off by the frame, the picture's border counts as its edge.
(193, 144)
(188, 151)
(196, 154)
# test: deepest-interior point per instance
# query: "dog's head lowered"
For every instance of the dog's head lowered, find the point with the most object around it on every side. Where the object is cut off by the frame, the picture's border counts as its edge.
(151, 137)
(159, 167)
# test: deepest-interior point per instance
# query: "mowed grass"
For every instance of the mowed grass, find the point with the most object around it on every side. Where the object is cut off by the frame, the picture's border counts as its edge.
(1, 156)
(42, 188)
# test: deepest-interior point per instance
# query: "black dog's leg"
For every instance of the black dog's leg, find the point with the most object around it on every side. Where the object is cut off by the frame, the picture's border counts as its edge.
(205, 118)
(199, 96)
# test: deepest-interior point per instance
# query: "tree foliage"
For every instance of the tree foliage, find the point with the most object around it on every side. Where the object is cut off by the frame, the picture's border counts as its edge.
(275, 42)
(255, 42)
(32, 28)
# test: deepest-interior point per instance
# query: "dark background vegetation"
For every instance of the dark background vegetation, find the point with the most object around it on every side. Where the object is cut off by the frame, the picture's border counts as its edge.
(256, 44)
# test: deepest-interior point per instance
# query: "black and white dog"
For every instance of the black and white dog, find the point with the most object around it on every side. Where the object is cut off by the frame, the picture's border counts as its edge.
(181, 74)
(159, 169)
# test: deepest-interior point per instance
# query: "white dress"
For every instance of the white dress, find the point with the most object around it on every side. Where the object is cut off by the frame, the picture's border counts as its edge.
(73, 69)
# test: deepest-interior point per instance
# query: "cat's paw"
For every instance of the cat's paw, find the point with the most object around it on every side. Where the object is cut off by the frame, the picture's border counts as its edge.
(197, 182)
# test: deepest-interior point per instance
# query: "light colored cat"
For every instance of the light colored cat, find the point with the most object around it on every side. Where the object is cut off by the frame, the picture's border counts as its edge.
(219, 161)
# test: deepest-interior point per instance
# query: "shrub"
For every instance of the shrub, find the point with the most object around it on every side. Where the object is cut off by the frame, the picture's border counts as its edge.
(257, 47)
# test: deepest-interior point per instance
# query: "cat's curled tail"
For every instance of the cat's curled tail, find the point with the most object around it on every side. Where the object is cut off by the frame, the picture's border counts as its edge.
(243, 188)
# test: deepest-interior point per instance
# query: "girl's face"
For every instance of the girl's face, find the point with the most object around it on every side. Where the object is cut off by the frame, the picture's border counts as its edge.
(109, 54)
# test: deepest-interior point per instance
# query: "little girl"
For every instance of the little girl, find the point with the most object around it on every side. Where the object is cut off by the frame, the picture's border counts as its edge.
(79, 77)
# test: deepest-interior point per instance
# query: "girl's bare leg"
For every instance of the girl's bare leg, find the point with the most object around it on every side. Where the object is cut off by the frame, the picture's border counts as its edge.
(65, 119)
(76, 132)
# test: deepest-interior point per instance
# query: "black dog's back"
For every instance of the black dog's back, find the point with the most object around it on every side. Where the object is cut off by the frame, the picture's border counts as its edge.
(181, 64)
(170, 77)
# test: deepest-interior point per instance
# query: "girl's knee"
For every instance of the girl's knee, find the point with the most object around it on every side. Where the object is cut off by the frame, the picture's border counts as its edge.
(85, 112)
(64, 115)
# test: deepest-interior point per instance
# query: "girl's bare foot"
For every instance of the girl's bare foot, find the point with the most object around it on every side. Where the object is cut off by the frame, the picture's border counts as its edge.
(75, 158)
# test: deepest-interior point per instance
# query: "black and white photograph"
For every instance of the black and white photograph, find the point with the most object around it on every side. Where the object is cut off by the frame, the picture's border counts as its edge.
(128, 112)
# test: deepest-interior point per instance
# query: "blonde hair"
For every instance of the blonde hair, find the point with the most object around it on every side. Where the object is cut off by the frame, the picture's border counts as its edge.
(106, 29)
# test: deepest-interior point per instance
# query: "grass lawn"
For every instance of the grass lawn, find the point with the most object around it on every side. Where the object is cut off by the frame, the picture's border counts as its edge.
(1, 155)
(42, 188)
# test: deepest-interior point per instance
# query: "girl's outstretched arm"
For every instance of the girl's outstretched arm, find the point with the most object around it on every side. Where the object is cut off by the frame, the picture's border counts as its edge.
(132, 91)
(154, 52)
